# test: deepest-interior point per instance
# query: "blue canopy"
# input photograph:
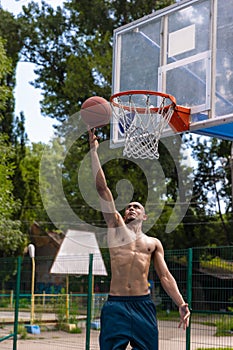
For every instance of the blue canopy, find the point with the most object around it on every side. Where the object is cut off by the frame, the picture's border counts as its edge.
(223, 131)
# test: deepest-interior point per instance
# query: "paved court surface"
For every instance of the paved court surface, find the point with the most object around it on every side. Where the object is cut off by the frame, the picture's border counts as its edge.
(171, 338)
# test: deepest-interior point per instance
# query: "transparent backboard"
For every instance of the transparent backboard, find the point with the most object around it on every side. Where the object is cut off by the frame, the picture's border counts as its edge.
(184, 50)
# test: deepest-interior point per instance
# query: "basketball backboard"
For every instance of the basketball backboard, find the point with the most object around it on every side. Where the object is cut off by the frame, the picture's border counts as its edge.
(184, 50)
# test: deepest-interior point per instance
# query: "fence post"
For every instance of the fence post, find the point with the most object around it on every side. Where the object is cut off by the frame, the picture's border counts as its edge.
(17, 294)
(11, 299)
(189, 294)
(43, 299)
(89, 302)
(67, 299)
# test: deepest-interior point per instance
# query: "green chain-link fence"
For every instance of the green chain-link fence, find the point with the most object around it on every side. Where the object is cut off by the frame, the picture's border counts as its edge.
(61, 304)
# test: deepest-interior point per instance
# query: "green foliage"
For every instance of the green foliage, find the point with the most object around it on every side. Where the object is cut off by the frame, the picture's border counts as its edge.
(10, 31)
(224, 326)
(11, 34)
(212, 174)
(60, 308)
(22, 332)
(72, 48)
(12, 239)
(5, 69)
(24, 303)
(7, 202)
(211, 192)
(217, 264)
(50, 177)
(32, 205)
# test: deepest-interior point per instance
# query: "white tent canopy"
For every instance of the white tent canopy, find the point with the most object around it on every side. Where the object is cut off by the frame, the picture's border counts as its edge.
(73, 255)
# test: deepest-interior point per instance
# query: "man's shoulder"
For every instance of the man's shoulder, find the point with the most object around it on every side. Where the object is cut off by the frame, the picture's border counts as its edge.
(155, 241)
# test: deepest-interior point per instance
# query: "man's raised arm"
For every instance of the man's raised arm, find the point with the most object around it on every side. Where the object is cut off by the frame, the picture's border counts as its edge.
(106, 199)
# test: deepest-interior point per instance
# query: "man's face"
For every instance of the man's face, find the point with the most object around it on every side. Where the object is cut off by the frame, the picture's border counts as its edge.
(134, 211)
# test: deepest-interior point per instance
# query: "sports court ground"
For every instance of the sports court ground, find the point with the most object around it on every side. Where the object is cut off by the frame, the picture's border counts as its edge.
(170, 339)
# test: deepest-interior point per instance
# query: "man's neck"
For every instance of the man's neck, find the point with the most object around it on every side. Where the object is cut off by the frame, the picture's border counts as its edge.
(135, 226)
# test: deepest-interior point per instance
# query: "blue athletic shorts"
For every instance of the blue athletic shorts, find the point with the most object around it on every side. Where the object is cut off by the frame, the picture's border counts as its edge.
(127, 319)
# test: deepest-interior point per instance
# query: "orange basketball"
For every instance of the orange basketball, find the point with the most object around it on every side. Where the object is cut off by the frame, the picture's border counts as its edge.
(96, 112)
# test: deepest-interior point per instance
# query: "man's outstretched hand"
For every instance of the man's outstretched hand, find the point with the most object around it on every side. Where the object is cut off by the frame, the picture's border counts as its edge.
(184, 315)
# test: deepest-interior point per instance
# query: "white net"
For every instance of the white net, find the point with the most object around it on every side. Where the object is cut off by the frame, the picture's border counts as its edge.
(141, 125)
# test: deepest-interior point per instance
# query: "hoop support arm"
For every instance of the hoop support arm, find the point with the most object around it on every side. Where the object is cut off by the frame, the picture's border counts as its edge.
(180, 120)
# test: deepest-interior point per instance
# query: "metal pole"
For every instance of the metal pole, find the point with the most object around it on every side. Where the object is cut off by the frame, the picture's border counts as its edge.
(32, 291)
(89, 302)
(67, 299)
(17, 294)
(189, 295)
(31, 249)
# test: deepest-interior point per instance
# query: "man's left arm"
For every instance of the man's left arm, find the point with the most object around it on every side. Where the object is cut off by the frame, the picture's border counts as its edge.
(169, 284)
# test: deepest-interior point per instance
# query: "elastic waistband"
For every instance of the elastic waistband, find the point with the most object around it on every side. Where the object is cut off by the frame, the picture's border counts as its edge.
(127, 298)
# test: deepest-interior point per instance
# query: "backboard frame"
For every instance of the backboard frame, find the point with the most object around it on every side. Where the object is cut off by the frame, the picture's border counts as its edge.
(203, 114)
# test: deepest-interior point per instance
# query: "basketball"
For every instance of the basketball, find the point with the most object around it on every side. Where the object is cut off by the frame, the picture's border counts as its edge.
(96, 112)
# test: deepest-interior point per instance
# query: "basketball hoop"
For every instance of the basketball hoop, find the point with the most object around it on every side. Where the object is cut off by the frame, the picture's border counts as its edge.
(142, 116)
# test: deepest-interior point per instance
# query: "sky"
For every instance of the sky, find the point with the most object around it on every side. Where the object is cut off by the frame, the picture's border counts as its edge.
(27, 98)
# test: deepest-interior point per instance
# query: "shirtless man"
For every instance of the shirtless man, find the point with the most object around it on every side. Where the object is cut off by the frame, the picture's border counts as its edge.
(129, 315)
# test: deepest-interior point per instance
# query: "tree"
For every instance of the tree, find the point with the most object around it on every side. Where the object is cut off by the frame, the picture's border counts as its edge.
(72, 48)
(10, 125)
(12, 239)
(212, 200)
(12, 42)
(5, 69)
(32, 206)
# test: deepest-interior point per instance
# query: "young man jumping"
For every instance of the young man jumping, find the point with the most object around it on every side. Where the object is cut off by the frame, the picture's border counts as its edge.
(129, 314)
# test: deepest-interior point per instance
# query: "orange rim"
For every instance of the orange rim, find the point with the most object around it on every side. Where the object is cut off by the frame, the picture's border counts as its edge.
(142, 92)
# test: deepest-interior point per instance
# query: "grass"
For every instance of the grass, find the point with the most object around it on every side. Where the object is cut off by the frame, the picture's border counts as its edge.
(224, 326)
(214, 349)
(22, 332)
(218, 265)
(163, 315)
(223, 323)
(213, 264)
